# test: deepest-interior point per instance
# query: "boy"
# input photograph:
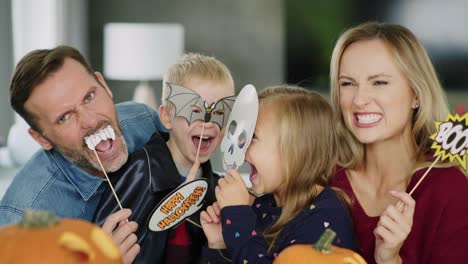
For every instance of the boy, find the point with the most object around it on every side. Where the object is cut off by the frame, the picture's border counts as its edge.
(193, 90)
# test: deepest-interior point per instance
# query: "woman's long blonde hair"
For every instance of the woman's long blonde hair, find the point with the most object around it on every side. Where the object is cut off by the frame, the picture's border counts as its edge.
(413, 61)
(307, 145)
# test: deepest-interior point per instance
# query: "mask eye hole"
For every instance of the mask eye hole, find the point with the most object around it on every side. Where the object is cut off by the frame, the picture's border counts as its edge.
(196, 109)
(218, 112)
(242, 139)
(232, 127)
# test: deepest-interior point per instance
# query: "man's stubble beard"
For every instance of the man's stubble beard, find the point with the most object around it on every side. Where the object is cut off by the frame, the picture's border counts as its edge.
(88, 161)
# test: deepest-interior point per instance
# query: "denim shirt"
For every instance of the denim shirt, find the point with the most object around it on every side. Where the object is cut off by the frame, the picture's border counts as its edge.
(48, 181)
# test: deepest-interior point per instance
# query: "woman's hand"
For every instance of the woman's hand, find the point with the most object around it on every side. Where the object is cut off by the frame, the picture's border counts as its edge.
(393, 228)
(211, 224)
(231, 190)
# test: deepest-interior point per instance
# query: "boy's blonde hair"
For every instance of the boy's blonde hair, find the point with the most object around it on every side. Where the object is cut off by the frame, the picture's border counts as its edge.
(308, 147)
(196, 66)
(413, 61)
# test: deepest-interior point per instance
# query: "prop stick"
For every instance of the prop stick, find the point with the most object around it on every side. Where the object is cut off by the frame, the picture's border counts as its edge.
(400, 204)
(108, 181)
(193, 172)
(450, 141)
(199, 143)
(196, 224)
(424, 176)
(196, 159)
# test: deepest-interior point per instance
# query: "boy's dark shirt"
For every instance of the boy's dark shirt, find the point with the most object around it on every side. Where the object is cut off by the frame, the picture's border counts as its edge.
(134, 190)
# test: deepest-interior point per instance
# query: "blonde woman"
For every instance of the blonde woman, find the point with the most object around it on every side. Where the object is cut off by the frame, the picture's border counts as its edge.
(387, 99)
(291, 160)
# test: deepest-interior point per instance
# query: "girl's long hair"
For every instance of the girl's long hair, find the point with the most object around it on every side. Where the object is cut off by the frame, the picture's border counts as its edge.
(307, 144)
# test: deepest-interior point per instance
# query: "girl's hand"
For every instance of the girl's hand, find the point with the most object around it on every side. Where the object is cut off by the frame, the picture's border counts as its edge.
(393, 228)
(231, 190)
(211, 224)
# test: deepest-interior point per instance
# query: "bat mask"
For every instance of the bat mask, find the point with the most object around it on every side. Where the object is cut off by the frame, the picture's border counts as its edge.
(185, 99)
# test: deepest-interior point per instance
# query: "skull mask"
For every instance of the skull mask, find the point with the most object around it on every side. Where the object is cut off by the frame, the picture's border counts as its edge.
(241, 126)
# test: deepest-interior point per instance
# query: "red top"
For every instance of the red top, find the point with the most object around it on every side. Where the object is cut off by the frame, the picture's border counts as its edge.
(178, 245)
(440, 223)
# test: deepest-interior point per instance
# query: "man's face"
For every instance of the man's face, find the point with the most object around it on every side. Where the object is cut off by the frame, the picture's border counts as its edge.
(70, 105)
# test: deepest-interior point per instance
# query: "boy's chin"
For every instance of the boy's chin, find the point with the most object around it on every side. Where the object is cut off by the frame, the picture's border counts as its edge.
(202, 159)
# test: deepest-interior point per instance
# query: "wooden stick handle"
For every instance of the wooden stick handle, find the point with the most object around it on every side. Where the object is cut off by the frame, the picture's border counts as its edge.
(400, 204)
(108, 181)
(199, 143)
(425, 174)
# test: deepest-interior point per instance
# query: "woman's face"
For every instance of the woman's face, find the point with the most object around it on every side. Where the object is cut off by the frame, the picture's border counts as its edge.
(376, 99)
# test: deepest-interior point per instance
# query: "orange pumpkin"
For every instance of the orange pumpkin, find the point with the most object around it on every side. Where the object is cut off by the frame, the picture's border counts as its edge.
(322, 252)
(42, 238)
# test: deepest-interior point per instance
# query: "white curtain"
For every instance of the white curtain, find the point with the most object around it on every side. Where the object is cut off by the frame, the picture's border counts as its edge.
(47, 23)
(42, 24)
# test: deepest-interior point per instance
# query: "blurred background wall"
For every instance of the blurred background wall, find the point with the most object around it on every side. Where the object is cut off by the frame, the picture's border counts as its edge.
(248, 36)
(312, 27)
(6, 68)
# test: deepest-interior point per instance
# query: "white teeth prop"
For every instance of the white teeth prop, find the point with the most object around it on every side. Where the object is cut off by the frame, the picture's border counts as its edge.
(368, 119)
(104, 134)
(111, 132)
(106, 130)
(89, 143)
(96, 139)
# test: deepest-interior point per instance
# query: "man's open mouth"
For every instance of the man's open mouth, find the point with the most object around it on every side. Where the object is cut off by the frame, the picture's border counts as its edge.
(101, 141)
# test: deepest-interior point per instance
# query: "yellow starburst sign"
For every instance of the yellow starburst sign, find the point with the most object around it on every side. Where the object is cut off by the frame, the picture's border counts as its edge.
(451, 139)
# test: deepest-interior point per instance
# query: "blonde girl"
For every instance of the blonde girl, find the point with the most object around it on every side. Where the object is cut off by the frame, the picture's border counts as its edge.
(292, 156)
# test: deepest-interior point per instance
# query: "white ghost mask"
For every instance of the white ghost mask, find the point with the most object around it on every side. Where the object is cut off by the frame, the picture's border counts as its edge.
(240, 128)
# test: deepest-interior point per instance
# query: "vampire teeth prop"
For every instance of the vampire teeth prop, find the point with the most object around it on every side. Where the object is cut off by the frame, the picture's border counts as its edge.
(92, 141)
(103, 134)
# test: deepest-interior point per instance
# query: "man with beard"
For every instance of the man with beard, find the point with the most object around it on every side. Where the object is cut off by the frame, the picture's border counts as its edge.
(64, 100)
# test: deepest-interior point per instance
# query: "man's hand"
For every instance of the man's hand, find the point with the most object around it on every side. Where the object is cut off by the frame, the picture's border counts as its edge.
(123, 234)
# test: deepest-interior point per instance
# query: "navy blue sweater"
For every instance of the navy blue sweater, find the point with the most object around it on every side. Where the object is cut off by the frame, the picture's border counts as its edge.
(243, 228)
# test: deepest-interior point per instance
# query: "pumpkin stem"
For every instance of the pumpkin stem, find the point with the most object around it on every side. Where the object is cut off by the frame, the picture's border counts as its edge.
(324, 243)
(38, 219)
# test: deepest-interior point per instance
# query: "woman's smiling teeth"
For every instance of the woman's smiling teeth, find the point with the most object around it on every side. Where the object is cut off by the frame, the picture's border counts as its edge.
(368, 118)
(102, 135)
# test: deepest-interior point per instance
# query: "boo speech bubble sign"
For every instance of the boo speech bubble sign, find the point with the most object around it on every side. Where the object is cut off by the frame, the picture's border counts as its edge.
(451, 139)
(178, 205)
